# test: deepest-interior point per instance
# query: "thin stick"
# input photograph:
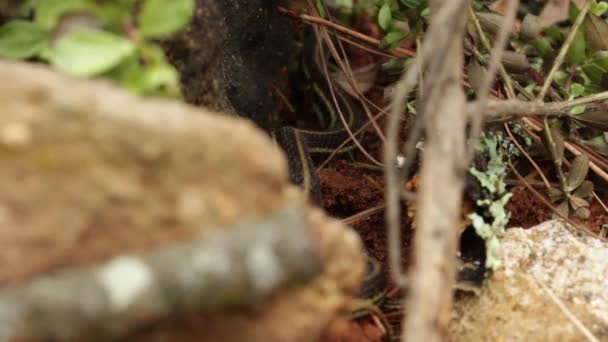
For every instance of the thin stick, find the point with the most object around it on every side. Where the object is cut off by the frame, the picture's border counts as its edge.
(532, 162)
(398, 52)
(363, 214)
(523, 108)
(579, 325)
(572, 148)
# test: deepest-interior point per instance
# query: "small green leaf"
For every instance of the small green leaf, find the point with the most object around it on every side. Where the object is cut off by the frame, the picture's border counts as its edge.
(321, 8)
(599, 8)
(345, 4)
(576, 53)
(543, 46)
(576, 90)
(393, 38)
(88, 52)
(21, 39)
(426, 13)
(148, 80)
(578, 171)
(594, 71)
(385, 16)
(161, 18)
(576, 110)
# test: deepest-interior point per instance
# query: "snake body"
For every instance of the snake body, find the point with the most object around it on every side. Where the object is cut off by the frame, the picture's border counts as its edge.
(299, 144)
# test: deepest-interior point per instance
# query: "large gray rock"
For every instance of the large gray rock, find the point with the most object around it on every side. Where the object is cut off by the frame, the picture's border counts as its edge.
(90, 172)
(553, 287)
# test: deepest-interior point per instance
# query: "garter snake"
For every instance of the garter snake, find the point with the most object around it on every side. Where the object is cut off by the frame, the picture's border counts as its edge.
(299, 144)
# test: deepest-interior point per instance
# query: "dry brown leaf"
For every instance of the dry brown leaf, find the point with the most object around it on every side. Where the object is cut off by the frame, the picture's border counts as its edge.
(554, 12)
(531, 27)
(578, 171)
(476, 75)
(363, 77)
(515, 62)
(584, 190)
(596, 32)
(500, 6)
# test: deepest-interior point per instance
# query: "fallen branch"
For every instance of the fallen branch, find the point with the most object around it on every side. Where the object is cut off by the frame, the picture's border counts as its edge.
(498, 108)
(236, 266)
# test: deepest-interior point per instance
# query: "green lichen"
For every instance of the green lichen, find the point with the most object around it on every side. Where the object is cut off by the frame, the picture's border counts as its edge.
(493, 178)
(491, 231)
(491, 224)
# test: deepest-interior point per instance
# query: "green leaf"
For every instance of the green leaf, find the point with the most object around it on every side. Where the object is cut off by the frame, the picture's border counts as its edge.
(161, 18)
(599, 9)
(594, 71)
(151, 79)
(576, 53)
(393, 38)
(48, 12)
(576, 90)
(385, 16)
(576, 110)
(543, 46)
(88, 52)
(426, 13)
(578, 171)
(321, 8)
(21, 39)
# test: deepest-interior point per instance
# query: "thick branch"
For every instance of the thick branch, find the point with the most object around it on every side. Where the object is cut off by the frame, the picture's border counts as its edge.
(444, 112)
(239, 265)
